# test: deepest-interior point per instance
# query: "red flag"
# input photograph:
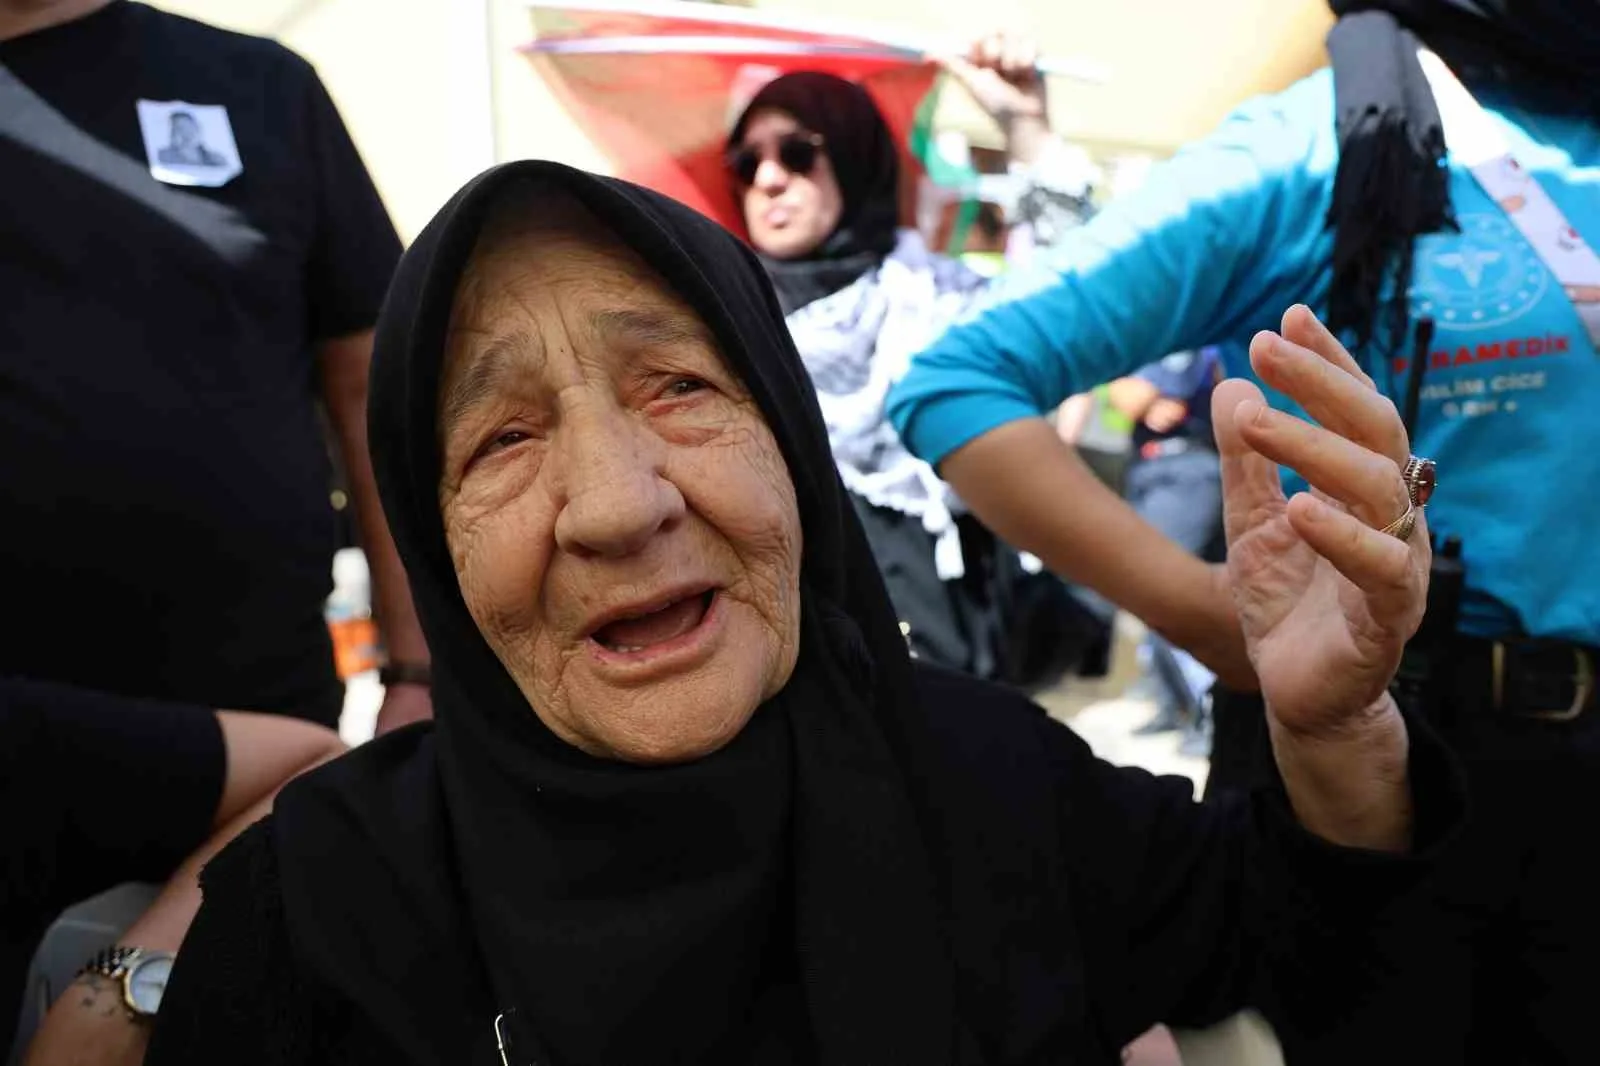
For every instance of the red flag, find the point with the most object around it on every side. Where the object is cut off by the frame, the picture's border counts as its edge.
(657, 86)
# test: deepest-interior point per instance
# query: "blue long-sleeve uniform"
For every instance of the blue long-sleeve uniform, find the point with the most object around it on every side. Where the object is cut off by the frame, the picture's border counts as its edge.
(1231, 231)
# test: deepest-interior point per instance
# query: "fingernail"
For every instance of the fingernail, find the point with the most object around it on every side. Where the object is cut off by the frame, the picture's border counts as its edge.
(1266, 344)
(1249, 412)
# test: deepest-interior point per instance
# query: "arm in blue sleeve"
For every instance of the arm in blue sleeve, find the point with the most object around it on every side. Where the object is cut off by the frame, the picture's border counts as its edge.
(1217, 243)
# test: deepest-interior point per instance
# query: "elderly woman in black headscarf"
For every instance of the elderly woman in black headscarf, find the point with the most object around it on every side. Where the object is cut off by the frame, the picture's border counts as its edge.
(688, 799)
(817, 175)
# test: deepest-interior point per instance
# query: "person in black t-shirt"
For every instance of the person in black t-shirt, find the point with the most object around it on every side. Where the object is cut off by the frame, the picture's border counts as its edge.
(194, 259)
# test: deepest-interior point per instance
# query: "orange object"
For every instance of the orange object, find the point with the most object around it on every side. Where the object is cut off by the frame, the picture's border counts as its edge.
(355, 646)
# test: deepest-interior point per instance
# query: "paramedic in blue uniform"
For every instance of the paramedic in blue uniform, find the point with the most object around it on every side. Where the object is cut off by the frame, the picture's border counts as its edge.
(1435, 215)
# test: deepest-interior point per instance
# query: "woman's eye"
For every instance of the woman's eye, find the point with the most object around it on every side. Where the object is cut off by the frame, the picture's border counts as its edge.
(503, 441)
(686, 386)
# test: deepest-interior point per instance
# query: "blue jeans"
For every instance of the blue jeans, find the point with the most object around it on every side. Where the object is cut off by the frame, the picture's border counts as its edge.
(1181, 495)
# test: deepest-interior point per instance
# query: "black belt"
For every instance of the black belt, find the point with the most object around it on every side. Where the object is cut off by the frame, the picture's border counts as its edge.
(1547, 680)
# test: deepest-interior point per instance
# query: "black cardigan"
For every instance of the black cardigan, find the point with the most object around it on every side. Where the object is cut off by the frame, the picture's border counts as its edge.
(1092, 902)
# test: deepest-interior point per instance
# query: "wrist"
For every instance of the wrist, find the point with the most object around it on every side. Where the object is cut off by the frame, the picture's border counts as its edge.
(138, 975)
(402, 672)
(1023, 102)
(1350, 786)
(1027, 132)
(1369, 730)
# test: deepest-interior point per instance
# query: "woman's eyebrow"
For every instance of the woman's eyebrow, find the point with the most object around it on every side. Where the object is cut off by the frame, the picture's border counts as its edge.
(486, 374)
(652, 328)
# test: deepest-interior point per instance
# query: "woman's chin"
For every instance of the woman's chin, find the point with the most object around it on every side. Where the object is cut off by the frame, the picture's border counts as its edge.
(682, 723)
(784, 244)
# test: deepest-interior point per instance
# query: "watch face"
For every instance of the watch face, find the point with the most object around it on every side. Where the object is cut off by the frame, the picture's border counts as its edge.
(147, 981)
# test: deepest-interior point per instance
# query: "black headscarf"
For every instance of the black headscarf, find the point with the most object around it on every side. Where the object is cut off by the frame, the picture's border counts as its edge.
(862, 152)
(1391, 185)
(773, 899)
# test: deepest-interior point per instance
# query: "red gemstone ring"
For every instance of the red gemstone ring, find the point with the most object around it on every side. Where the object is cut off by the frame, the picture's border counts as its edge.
(1421, 477)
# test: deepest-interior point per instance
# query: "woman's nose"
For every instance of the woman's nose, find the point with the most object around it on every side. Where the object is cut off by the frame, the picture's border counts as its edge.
(771, 175)
(616, 498)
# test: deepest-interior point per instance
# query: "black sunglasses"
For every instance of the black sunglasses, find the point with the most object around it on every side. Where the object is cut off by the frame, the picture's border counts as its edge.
(797, 153)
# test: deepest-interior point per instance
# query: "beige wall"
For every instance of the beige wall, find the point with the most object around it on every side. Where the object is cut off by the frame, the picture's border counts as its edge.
(1176, 66)
(433, 90)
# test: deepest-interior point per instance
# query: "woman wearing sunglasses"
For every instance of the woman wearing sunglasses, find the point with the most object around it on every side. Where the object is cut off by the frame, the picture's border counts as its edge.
(817, 173)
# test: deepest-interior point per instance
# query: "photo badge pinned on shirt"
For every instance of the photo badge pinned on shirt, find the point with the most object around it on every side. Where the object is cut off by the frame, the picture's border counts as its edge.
(189, 144)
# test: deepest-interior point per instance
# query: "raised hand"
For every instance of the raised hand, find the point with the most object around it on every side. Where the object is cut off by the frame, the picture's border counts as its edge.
(1326, 598)
(1166, 414)
(1001, 72)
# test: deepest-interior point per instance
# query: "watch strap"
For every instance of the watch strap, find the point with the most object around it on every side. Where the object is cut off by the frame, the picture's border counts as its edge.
(112, 961)
(405, 674)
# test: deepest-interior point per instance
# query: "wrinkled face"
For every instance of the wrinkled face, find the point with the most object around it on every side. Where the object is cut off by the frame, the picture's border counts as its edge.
(788, 214)
(621, 520)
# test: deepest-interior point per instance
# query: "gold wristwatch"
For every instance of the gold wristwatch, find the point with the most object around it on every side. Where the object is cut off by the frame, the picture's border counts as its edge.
(142, 973)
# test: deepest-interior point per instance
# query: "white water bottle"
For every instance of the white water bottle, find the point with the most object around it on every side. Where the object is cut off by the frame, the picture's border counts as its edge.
(349, 614)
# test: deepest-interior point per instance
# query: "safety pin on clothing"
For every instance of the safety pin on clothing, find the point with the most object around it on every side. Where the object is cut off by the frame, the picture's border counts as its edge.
(500, 1039)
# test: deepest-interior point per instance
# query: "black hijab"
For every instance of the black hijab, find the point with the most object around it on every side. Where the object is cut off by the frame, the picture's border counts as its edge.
(1391, 185)
(862, 152)
(773, 901)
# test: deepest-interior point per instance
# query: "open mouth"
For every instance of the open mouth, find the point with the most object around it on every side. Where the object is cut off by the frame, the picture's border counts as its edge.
(654, 628)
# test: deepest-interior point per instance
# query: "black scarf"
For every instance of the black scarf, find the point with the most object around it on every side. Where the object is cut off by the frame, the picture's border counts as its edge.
(772, 902)
(862, 152)
(1391, 186)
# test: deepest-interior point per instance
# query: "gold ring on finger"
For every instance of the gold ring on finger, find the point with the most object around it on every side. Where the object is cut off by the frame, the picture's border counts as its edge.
(1421, 478)
(1403, 526)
